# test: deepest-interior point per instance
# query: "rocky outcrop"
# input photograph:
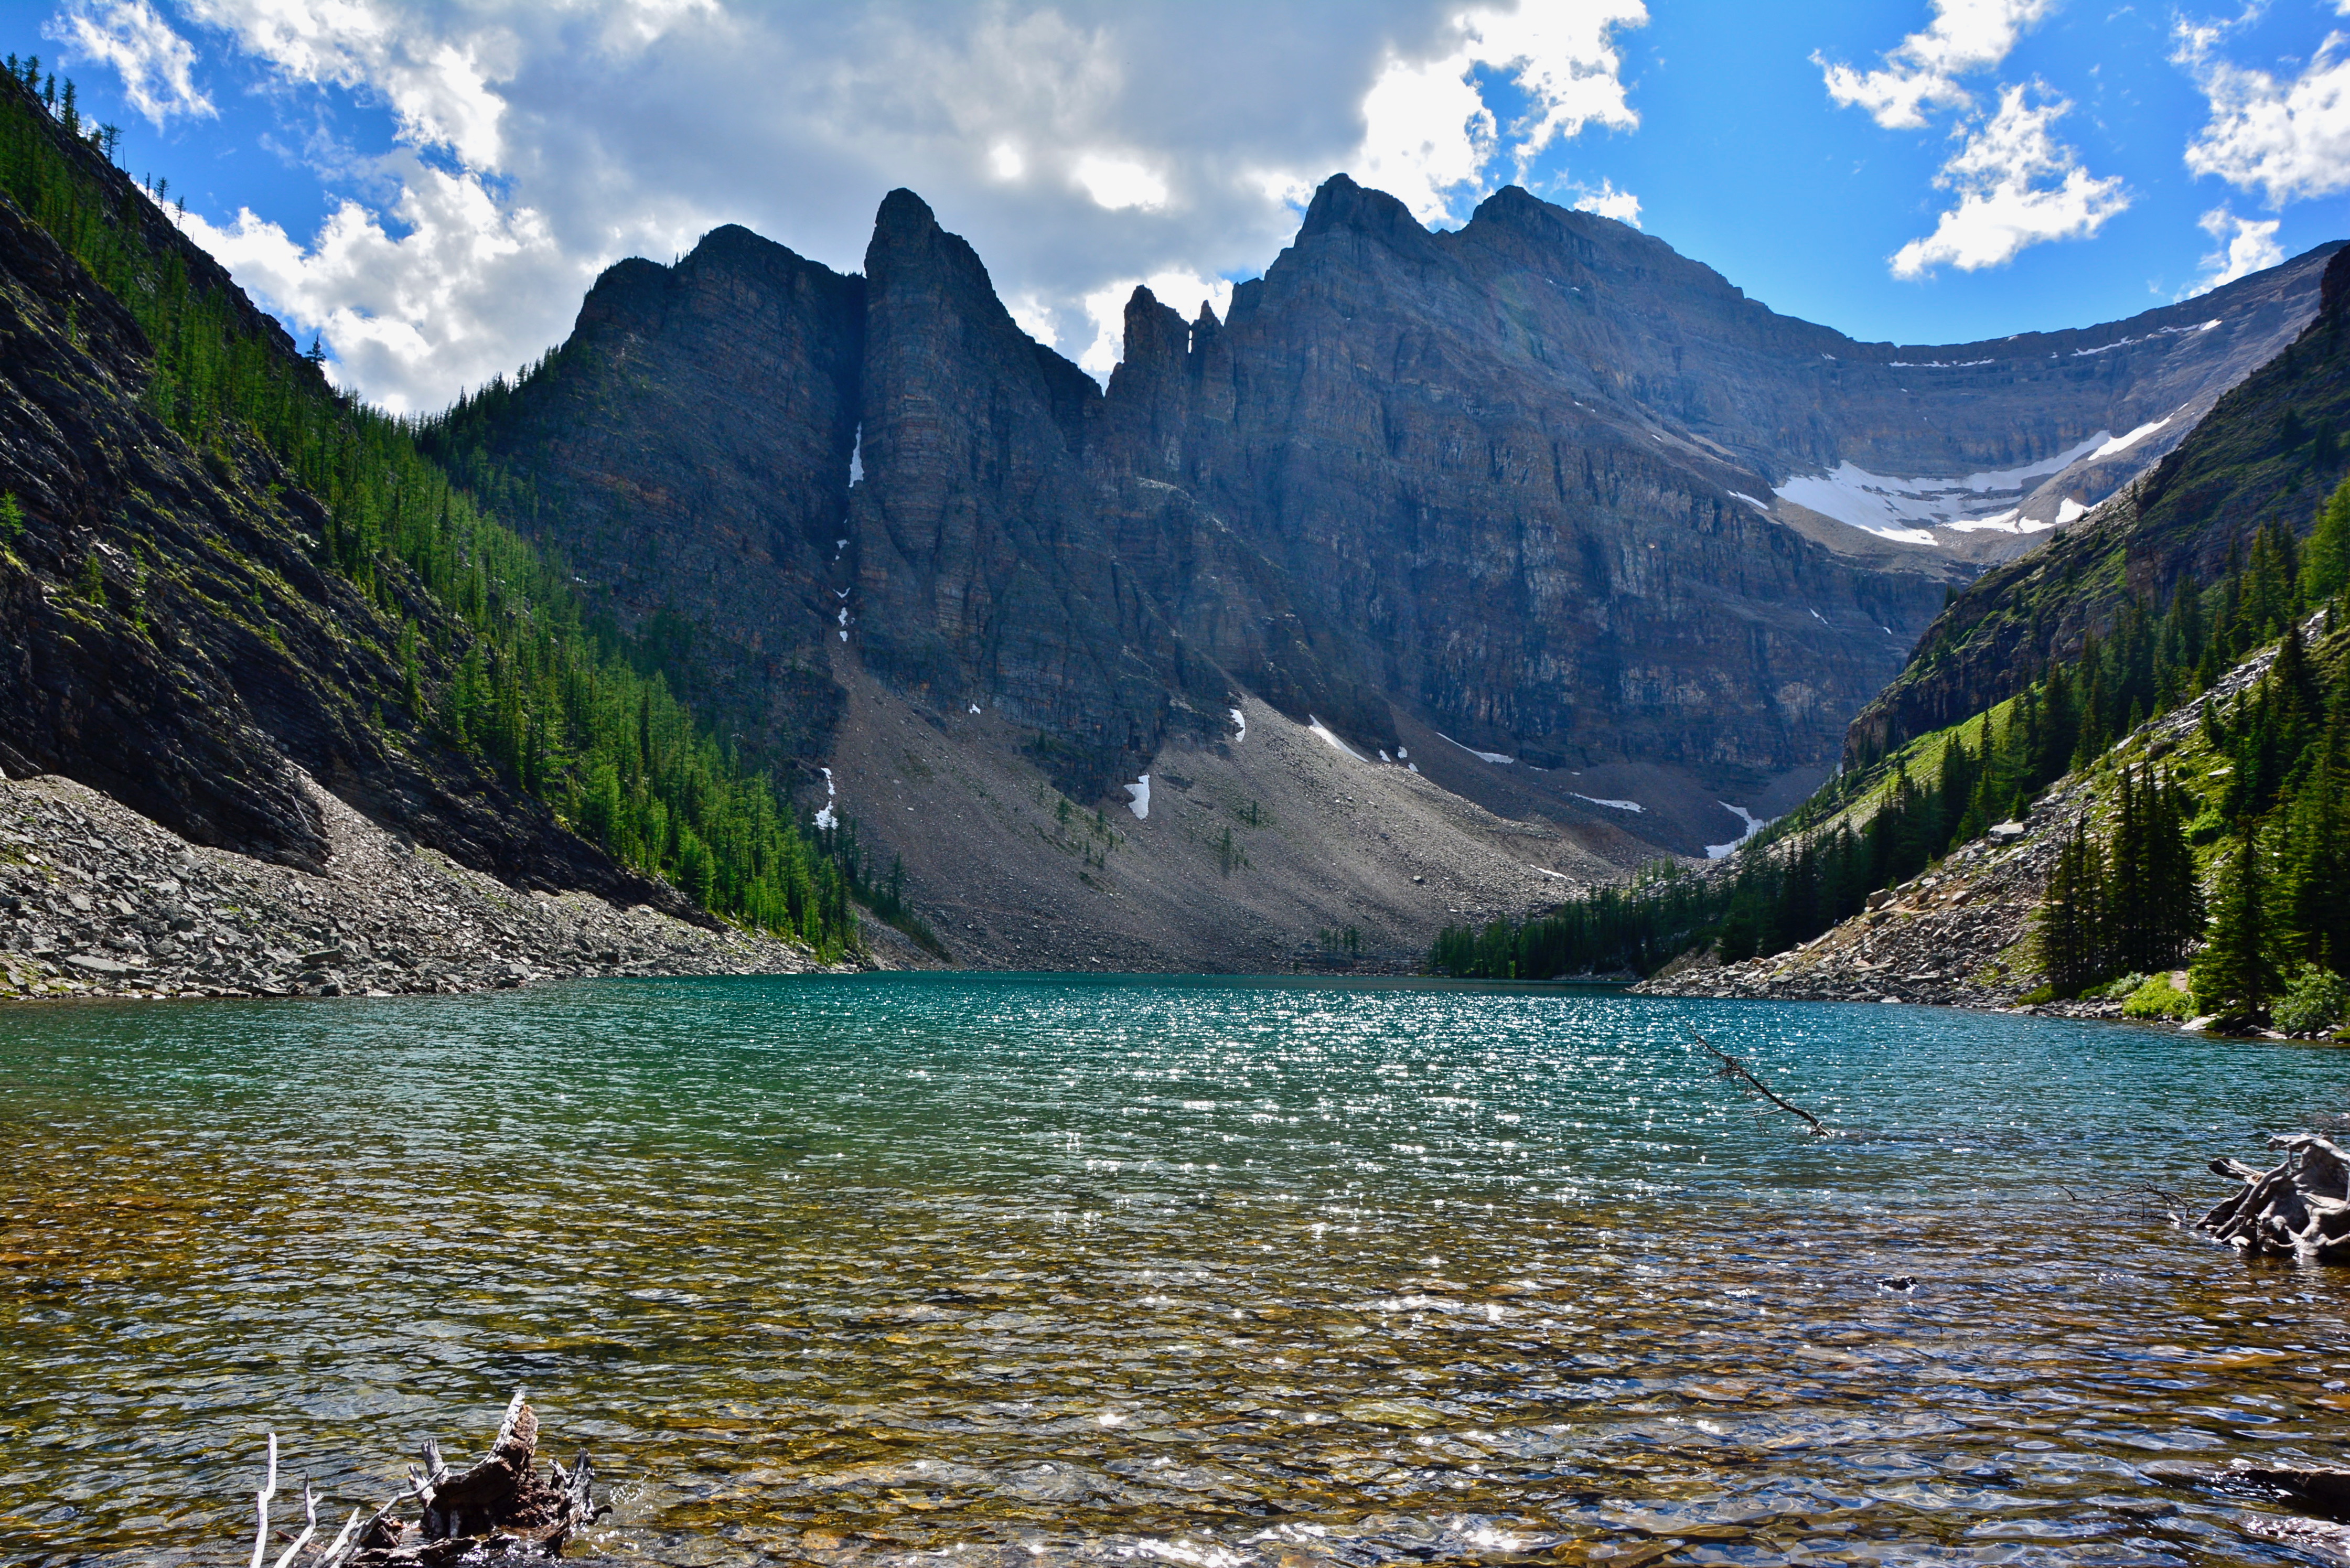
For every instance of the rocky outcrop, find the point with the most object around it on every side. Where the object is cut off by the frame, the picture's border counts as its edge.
(687, 454)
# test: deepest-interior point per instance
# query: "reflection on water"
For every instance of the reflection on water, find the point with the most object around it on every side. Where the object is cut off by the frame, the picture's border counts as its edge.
(1006, 1270)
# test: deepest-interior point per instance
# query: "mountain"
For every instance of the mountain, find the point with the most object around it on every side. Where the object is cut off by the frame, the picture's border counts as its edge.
(1554, 516)
(2268, 453)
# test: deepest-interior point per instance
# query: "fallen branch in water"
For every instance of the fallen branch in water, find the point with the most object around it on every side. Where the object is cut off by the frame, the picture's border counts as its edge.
(2299, 1208)
(497, 1512)
(1738, 1073)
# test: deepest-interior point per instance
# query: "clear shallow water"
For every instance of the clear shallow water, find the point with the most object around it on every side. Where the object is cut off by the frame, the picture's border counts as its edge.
(1015, 1270)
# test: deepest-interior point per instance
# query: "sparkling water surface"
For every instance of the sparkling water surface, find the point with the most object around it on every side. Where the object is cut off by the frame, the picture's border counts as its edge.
(1018, 1269)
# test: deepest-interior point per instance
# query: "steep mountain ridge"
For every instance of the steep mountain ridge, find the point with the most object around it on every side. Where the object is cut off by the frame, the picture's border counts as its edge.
(173, 640)
(1510, 505)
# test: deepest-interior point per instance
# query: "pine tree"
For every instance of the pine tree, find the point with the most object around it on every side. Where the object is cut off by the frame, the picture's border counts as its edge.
(2313, 882)
(2234, 977)
(2326, 563)
(2072, 917)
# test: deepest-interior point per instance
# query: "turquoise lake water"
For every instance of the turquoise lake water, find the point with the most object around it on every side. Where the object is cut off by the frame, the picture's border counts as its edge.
(1015, 1270)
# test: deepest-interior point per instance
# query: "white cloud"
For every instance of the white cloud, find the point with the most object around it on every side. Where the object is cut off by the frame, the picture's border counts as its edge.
(1077, 145)
(442, 89)
(1966, 35)
(157, 65)
(2017, 186)
(1428, 134)
(1621, 206)
(2245, 247)
(1119, 182)
(430, 297)
(2291, 141)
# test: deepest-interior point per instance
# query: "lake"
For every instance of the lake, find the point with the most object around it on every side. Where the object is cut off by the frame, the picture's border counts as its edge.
(1008, 1269)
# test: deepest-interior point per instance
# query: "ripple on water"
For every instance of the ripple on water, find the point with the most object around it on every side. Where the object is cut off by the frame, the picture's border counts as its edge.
(999, 1268)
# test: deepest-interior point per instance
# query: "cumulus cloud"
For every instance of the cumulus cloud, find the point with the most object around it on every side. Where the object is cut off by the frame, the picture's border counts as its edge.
(1428, 134)
(1924, 68)
(442, 89)
(429, 297)
(157, 66)
(2246, 247)
(1621, 206)
(2288, 139)
(1079, 145)
(2017, 185)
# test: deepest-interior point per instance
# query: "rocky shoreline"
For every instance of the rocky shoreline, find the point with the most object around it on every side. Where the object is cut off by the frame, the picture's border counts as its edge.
(97, 900)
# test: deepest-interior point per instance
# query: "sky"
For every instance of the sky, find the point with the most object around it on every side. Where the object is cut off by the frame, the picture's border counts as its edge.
(429, 189)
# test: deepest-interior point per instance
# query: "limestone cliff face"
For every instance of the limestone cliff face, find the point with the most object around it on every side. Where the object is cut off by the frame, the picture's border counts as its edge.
(1540, 485)
(1442, 459)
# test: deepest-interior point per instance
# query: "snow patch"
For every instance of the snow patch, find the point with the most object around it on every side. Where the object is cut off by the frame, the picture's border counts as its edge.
(1331, 739)
(1546, 871)
(1909, 509)
(1496, 757)
(856, 457)
(1938, 364)
(1818, 617)
(974, 707)
(1402, 752)
(2068, 509)
(1762, 506)
(2123, 442)
(1240, 722)
(1754, 824)
(1618, 805)
(1140, 804)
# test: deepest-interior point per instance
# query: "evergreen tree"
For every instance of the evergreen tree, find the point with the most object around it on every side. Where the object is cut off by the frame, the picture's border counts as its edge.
(2073, 916)
(2313, 882)
(2234, 976)
(2326, 563)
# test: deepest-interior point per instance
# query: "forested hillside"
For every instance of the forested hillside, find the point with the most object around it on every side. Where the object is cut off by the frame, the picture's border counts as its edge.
(215, 566)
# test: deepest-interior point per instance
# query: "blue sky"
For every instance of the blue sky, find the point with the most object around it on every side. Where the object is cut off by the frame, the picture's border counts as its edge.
(432, 186)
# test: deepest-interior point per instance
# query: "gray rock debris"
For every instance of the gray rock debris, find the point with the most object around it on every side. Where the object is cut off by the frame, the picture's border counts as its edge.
(97, 900)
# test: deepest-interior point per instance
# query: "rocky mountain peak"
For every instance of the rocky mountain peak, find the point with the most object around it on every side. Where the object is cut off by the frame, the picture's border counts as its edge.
(1341, 204)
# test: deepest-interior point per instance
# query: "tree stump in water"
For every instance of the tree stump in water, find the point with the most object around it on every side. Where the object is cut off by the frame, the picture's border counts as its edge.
(499, 1511)
(2300, 1210)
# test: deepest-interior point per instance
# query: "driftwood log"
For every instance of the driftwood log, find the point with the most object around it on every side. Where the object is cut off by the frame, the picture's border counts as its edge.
(499, 1511)
(2298, 1208)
